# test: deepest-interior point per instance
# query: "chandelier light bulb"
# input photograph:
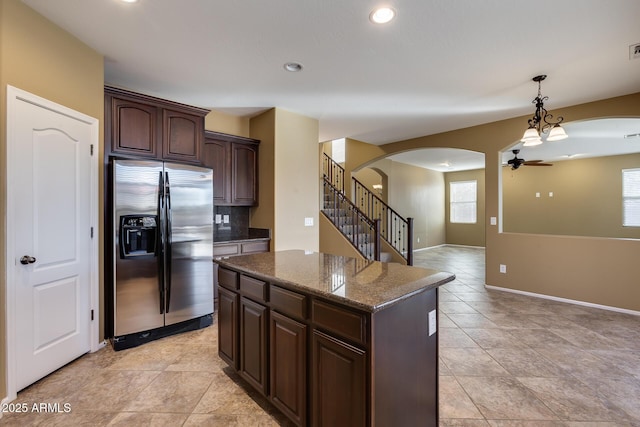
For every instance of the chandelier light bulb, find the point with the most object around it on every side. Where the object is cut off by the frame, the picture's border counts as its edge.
(557, 133)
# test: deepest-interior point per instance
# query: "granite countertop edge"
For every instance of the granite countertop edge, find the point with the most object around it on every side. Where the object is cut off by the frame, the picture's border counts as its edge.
(433, 281)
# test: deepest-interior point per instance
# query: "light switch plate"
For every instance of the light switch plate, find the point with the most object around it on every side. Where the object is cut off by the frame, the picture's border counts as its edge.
(218, 219)
(494, 220)
(308, 222)
(225, 219)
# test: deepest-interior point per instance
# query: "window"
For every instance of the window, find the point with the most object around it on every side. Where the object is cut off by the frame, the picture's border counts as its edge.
(631, 197)
(337, 150)
(463, 206)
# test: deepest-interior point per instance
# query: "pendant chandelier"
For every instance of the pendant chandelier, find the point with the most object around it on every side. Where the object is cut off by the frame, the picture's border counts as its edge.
(541, 122)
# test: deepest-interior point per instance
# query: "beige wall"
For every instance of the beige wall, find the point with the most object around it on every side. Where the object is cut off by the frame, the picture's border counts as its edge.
(416, 193)
(466, 234)
(371, 176)
(263, 127)
(41, 58)
(333, 242)
(226, 123)
(587, 198)
(594, 270)
(289, 166)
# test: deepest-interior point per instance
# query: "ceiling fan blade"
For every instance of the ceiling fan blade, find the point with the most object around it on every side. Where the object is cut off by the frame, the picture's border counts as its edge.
(538, 164)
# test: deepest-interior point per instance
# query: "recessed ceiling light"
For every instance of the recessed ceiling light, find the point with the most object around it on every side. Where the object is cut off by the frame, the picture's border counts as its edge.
(293, 67)
(129, 1)
(382, 15)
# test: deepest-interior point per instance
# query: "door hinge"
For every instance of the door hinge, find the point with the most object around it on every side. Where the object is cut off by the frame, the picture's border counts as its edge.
(92, 232)
(92, 149)
(91, 314)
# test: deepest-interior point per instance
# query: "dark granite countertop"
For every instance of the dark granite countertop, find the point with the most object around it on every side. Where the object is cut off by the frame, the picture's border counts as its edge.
(362, 284)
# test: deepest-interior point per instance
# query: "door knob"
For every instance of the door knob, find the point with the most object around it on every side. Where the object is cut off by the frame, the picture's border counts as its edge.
(26, 259)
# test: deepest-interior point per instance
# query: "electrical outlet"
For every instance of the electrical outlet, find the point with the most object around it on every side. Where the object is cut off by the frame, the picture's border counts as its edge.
(494, 220)
(225, 219)
(634, 51)
(503, 268)
(537, 194)
(433, 327)
(550, 193)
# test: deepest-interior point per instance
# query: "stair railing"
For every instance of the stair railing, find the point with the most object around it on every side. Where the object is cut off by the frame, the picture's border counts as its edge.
(362, 232)
(333, 172)
(394, 228)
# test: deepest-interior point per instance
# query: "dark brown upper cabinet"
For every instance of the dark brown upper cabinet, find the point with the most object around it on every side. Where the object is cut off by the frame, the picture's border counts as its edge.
(234, 161)
(143, 126)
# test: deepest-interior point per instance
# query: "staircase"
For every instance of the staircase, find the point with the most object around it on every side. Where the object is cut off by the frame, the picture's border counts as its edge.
(364, 228)
(394, 229)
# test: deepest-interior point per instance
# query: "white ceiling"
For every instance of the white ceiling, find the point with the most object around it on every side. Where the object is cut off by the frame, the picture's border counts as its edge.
(440, 65)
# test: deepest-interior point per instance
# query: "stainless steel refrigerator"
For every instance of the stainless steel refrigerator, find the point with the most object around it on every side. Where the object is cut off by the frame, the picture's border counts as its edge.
(163, 270)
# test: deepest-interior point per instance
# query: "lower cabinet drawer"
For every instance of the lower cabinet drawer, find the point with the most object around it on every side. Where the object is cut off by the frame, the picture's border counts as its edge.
(252, 247)
(227, 278)
(253, 288)
(225, 250)
(288, 302)
(339, 320)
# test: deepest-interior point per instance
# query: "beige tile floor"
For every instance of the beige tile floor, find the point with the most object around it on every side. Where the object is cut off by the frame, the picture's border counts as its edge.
(505, 360)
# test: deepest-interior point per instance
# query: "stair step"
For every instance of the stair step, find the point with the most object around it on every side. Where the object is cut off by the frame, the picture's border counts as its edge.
(351, 228)
(331, 212)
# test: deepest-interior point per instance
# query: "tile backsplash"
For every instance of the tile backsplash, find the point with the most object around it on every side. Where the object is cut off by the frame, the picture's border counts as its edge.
(237, 225)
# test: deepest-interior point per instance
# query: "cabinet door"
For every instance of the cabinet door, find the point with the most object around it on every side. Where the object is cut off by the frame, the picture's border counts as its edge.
(338, 384)
(253, 344)
(288, 381)
(133, 128)
(182, 136)
(217, 156)
(244, 184)
(228, 326)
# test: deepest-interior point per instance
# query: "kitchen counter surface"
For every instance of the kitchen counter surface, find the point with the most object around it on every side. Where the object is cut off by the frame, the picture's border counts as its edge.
(366, 285)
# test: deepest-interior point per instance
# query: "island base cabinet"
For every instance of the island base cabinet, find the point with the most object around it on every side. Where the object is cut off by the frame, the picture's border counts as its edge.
(253, 344)
(288, 369)
(228, 326)
(338, 383)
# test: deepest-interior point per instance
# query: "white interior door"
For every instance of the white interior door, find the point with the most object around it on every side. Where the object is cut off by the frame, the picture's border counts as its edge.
(50, 238)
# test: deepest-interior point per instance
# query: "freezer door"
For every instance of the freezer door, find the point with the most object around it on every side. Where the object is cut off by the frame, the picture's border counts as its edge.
(137, 251)
(189, 284)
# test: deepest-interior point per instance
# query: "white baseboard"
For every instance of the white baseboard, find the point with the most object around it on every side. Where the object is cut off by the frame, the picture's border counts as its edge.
(99, 346)
(565, 300)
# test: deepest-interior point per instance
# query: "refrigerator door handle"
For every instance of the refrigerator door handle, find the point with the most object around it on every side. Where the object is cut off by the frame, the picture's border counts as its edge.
(169, 257)
(159, 252)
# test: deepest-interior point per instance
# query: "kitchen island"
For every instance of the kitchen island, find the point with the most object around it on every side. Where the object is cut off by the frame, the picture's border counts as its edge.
(333, 341)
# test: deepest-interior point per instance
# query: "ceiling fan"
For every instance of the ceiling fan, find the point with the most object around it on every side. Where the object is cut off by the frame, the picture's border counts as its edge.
(516, 162)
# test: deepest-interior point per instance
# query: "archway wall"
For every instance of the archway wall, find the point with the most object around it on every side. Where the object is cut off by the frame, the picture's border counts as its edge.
(599, 271)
